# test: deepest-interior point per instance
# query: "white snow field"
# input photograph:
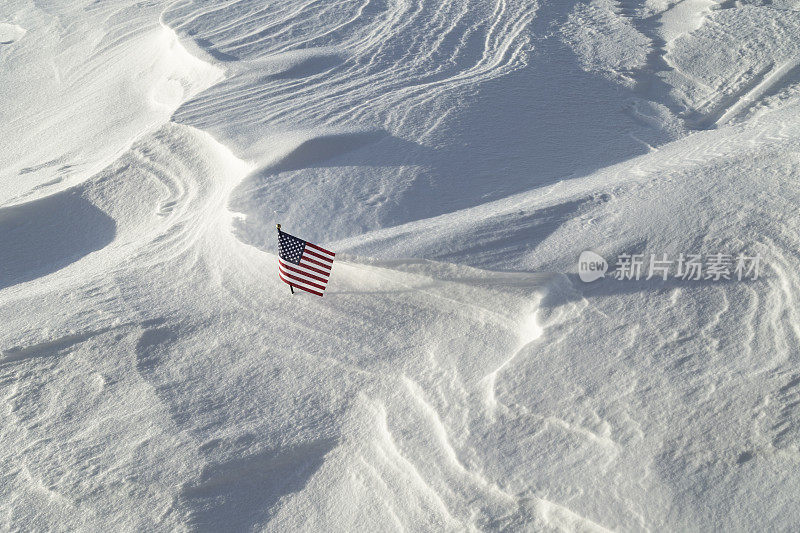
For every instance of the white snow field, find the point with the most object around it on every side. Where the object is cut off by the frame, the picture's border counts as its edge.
(156, 375)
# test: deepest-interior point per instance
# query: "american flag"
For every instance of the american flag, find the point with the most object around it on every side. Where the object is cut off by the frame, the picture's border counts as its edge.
(302, 264)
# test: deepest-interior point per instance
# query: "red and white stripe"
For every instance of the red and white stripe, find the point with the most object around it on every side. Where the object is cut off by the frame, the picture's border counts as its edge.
(311, 275)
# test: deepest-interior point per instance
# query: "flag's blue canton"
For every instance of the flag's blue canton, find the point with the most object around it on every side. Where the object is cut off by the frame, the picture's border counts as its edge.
(290, 248)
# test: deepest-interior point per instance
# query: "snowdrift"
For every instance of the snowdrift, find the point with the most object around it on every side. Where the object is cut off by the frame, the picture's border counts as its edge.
(458, 156)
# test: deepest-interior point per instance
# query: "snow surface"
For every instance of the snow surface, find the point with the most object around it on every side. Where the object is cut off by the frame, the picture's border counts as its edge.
(155, 374)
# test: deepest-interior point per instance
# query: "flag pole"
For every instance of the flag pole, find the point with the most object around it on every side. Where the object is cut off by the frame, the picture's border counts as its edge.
(279, 234)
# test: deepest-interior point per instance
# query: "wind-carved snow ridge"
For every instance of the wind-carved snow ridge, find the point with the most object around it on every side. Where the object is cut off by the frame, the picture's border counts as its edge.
(162, 192)
(167, 196)
(156, 375)
(529, 330)
(142, 77)
(361, 84)
(188, 204)
(188, 76)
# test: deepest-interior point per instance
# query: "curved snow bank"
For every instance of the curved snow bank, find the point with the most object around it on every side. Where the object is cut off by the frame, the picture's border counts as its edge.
(183, 177)
(153, 74)
(92, 108)
(151, 205)
(406, 69)
(177, 75)
(163, 378)
(10, 32)
(263, 198)
(711, 364)
(511, 233)
(150, 289)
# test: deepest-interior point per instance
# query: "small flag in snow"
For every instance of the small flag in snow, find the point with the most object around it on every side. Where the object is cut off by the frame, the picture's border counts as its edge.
(302, 264)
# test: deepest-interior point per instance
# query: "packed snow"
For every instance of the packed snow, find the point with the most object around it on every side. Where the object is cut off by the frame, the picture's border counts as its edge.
(156, 374)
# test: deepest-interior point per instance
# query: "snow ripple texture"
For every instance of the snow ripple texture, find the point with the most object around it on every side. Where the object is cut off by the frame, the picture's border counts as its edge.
(156, 375)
